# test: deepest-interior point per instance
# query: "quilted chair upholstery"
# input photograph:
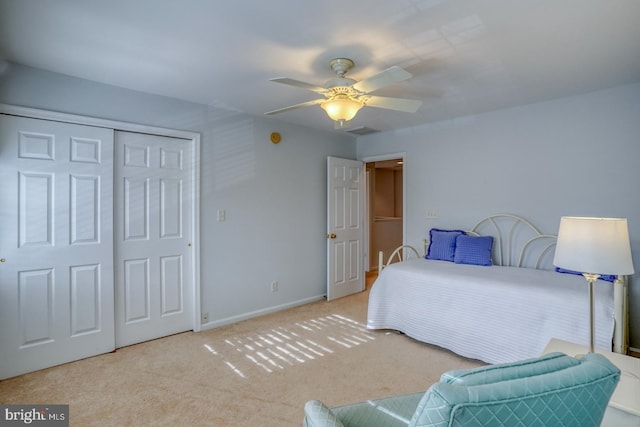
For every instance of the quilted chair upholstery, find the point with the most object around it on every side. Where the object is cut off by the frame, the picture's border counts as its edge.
(552, 390)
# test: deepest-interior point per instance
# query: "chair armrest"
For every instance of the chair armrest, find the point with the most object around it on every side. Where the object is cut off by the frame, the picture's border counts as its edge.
(317, 414)
(490, 374)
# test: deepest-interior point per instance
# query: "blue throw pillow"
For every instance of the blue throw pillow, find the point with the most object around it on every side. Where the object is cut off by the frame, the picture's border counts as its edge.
(473, 250)
(606, 277)
(442, 244)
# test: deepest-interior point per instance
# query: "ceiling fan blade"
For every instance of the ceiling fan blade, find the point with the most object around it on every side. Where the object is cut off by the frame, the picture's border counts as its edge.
(383, 78)
(298, 83)
(296, 106)
(398, 104)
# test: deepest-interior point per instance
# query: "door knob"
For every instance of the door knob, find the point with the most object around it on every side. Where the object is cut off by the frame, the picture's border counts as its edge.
(331, 236)
(2, 260)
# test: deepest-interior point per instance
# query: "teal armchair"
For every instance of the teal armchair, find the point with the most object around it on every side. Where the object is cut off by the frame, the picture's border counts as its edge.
(552, 390)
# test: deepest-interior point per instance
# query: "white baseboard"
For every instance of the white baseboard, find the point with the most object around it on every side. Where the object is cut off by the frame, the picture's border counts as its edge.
(234, 319)
(635, 350)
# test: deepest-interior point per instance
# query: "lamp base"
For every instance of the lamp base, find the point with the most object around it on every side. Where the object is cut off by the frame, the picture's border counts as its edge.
(591, 278)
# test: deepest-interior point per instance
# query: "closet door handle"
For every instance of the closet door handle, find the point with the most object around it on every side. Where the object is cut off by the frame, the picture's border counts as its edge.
(331, 236)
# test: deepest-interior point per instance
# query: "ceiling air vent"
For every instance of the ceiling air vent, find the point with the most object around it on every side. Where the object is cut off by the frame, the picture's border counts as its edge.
(361, 130)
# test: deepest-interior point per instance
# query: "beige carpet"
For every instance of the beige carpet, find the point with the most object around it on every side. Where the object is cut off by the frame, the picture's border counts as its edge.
(257, 372)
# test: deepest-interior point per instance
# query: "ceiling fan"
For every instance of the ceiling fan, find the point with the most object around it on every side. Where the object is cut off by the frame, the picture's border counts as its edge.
(344, 97)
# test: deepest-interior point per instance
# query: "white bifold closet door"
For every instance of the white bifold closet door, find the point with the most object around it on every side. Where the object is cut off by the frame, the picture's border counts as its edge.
(154, 283)
(56, 243)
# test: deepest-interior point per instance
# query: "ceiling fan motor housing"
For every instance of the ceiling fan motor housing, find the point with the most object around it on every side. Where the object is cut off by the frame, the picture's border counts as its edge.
(339, 83)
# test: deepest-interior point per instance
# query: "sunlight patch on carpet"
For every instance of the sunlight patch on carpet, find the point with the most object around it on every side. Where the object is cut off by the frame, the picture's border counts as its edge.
(286, 346)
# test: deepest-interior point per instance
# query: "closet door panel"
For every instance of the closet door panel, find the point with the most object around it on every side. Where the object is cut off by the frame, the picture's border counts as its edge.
(154, 284)
(56, 281)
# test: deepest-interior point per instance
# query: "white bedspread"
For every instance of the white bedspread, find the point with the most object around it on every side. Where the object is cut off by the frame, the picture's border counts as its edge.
(494, 314)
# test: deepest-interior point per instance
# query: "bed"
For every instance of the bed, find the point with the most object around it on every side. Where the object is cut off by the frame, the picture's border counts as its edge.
(497, 313)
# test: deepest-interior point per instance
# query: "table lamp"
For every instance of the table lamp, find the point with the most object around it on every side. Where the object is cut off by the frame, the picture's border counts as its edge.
(588, 245)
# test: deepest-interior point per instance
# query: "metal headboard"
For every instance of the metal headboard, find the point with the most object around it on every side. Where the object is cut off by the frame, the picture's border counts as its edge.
(516, 240)
(516, 243)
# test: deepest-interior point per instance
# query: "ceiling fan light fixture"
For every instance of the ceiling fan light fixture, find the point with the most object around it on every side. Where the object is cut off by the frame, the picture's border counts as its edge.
(344, 96)
(341, 108)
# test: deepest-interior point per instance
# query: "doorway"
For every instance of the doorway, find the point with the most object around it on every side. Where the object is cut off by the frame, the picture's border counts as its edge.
(385, 206)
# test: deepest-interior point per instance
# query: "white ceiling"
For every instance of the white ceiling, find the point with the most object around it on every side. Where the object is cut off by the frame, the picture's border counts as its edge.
(467, 56)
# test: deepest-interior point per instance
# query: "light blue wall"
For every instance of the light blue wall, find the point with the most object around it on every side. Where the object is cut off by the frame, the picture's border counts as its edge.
(573, 156)
(274, 195)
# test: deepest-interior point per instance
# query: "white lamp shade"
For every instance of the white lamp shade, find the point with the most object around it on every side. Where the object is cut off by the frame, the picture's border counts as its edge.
(594, 245)
(341, 107)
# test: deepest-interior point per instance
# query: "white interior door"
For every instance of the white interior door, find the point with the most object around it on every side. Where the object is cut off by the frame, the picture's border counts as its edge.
(345, 222)
(56, 243)
(154, 286)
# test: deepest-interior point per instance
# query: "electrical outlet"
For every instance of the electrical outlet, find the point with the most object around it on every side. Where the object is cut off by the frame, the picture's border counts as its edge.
(204, 318)
(274, 286)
